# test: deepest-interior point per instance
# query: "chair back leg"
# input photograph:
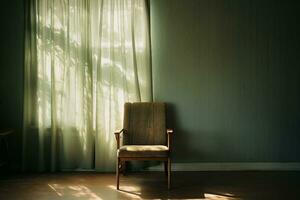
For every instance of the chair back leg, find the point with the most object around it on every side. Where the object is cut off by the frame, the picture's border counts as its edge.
(117, 173)
(123, 167)
(166, 168)
(169, 173)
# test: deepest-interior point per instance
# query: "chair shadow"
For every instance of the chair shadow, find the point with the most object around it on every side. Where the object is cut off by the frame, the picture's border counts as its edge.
(175, 193)
(218, 186)
(157, 188)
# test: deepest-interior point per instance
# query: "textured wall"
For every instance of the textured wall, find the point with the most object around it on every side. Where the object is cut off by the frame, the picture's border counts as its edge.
(230, 69)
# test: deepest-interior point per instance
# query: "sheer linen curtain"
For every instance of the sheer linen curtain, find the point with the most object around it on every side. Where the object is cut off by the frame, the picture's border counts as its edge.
(83, 60)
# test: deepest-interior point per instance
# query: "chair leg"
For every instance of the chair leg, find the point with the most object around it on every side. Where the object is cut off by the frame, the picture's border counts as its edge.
(117, 172)
(166, 168)
(169, 173)
(124, 168)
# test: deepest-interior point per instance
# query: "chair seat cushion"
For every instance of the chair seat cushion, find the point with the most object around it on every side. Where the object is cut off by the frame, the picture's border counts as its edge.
(143, 151)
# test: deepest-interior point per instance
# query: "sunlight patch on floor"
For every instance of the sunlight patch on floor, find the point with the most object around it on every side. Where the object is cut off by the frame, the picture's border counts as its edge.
(226, 196)
(74, 191)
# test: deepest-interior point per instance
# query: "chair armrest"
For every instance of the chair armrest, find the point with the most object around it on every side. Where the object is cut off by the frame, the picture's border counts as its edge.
(170, 134)
(117, 135)
(119, 132)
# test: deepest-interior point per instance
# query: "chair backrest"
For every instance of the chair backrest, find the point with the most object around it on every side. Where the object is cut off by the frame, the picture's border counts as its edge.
(145, 123)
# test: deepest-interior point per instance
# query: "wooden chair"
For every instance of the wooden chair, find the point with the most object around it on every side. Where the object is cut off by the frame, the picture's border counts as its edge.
(145, 136)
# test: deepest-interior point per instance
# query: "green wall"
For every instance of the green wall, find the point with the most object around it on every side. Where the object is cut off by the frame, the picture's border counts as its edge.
(230, 71)
(11, 72)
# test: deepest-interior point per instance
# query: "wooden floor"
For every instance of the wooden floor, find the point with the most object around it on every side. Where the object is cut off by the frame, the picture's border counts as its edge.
(152, 185)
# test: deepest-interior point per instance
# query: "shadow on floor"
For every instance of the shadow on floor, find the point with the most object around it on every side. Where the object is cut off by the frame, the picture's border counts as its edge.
(152, 185)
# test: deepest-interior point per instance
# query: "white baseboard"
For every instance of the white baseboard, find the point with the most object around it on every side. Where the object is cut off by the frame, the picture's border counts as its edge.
(235, 166)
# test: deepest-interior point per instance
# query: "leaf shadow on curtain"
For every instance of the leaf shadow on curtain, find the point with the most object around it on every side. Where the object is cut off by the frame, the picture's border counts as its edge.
(75, 88)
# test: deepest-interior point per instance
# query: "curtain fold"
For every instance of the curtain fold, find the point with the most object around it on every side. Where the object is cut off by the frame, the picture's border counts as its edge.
(83, 60)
